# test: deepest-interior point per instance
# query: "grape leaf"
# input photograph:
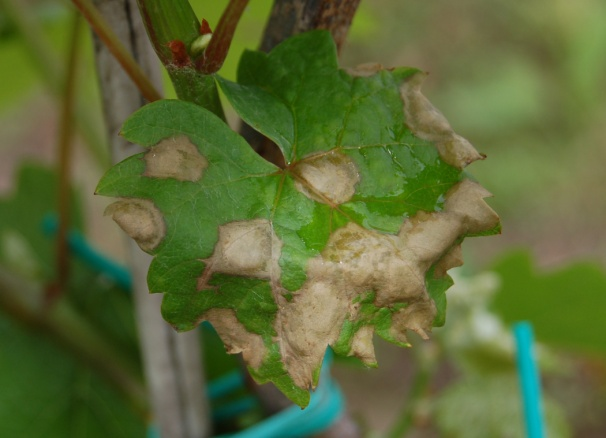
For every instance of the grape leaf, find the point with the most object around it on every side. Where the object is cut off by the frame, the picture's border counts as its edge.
(24, 247)
(353, 236)
(46, 389)
(47, 392)
(576, 292)
(491, 403)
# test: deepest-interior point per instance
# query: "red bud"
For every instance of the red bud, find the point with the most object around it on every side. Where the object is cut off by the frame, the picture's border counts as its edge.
(205, 28)
(179, 51)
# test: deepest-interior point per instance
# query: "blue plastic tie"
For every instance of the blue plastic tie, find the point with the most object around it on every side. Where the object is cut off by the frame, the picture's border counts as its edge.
(529, 380)
(326, 406)
(78, 245)
(224, 385)
(234, 408)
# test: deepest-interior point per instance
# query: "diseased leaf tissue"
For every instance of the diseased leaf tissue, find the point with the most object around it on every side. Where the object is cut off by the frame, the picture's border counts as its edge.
(353, 237)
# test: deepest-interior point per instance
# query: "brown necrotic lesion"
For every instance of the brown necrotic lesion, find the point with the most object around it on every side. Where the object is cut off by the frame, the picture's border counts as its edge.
(244, 248)
(236, 337)
(177, 158)
(328, 178)
(140, 219)
(428, 123)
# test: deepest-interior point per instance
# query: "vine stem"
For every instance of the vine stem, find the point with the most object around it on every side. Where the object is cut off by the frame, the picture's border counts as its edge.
(65, 150)
(217, 49)
(421, 382)
(123, 56)
(290, 17)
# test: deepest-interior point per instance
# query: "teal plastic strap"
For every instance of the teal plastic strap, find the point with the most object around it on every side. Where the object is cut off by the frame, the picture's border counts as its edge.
(529, 380)
(85, 252)
(326, 406)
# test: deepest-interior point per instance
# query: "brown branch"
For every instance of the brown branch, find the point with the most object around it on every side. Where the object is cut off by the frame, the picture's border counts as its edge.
(217, 49)
(65, 151)
(291, 17)
(109, 38)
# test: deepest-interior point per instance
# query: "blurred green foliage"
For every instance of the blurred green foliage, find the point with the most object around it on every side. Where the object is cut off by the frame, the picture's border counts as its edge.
(483, 406)
(46, 389)
(23, 242)
(565, 306)
(46, 392)
(21, 76)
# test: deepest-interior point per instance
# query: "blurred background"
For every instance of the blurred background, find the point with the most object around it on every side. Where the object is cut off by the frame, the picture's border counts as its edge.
(525, 82)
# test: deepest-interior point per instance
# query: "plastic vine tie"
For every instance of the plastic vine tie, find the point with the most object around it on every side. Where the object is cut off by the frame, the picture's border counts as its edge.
(529, 380)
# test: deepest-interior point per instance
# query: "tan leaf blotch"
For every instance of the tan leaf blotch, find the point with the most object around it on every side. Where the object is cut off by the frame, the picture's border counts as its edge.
(365, 70)
(140, 219)
(428, 123)
(328, 178)
(175, 157)
(245, 248)
(235, 336)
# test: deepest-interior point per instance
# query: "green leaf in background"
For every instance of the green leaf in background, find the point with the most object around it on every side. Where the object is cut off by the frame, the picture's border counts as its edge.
(47, 389)
(27, 249)
(345, 241)
(47, 393)
(489, 405)
(24, 247)
(566, 306)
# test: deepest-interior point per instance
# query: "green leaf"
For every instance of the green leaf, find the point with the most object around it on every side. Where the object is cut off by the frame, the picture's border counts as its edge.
(45, 392)
(490, 405)
(345, 241)
(46, 389)
(28, 249)
(23, 245)
(560, 304)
